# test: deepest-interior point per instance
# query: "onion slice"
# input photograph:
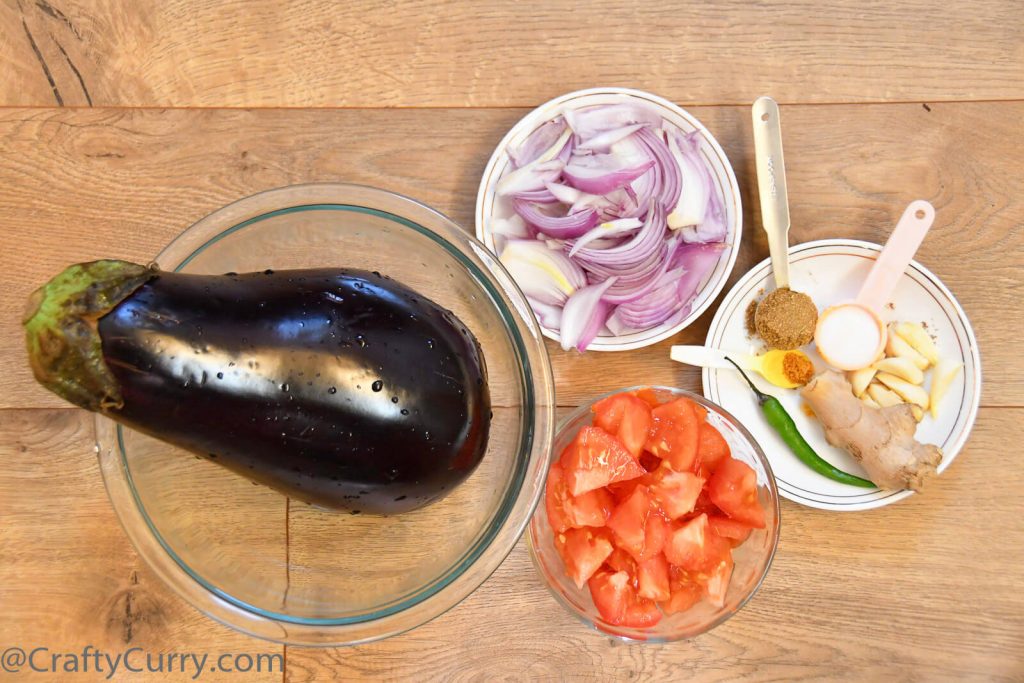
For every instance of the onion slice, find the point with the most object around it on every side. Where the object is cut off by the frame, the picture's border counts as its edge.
(584, 314)
(545, 275)
(562, 227)
(605, 230)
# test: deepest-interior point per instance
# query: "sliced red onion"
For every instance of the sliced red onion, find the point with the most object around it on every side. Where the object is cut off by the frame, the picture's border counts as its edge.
(563, 227)
(602, 173)
(641, 247)
(636, 288)
(693, 199)
(605, 139)
(605, 230)
(713, 227)
(514, 227)
(654, 307)
(594, 192)
(665, 167)
(545, 275)
(529, 177)
(698, 260)
(583, 315)
(541, 196)
(590, 121)
(547, 315)
(539, 142)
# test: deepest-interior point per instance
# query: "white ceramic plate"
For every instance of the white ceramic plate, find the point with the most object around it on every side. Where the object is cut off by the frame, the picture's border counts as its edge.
(489, 205)
(832, 271)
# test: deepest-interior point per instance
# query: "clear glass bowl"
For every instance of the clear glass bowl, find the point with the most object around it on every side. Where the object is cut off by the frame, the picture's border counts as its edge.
(282, 570)
(752, 558)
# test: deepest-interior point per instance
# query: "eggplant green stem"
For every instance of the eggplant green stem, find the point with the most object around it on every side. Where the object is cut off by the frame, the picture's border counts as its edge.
(64, 346)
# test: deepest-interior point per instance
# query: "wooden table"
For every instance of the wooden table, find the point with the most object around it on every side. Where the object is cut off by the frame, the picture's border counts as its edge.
(124, 122)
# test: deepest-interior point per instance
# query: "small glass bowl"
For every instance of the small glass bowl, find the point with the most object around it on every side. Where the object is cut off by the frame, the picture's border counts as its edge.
(255, 560)
(752, 558)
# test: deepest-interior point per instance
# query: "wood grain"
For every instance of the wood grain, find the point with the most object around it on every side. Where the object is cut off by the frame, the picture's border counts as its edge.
(435, 53)
(68, 575)
(927, 589)
(85, 184)
(924, 590)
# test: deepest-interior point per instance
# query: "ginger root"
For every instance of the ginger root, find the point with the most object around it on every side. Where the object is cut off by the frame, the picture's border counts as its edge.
(881, 439)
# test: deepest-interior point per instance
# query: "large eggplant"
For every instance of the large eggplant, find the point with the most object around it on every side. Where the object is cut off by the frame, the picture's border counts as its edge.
(341, 388)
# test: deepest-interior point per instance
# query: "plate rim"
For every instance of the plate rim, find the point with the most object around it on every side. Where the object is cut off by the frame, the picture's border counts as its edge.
(972, 351)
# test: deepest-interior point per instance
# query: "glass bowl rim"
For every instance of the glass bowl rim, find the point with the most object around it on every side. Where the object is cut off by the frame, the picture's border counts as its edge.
(513, 513)
(643, 636)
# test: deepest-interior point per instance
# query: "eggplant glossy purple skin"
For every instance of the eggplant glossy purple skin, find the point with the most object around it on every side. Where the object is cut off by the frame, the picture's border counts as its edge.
(341, 388)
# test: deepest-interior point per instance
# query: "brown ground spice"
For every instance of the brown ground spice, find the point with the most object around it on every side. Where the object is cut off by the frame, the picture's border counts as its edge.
(749, 318)
(785, 319)
(797, 368)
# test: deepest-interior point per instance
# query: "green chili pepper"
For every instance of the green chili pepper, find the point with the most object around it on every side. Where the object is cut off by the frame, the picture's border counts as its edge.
(782, 423)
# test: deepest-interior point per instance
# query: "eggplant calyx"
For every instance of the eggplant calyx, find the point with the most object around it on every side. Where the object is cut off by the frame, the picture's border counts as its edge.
(64, 346)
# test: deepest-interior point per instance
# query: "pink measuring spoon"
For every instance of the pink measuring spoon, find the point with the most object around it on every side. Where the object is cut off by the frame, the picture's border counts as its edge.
(852, 335)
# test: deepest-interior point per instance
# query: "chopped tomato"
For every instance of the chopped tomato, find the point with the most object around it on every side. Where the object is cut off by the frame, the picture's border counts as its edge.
(717, 584)
(733, 489)
(598, 459)
(641, 613)
(712, 449)
(639, 528)
(583, 551)
(611, 594)
(694, 548)
(673, 435)
(648, 396)
(649, 461)
(565, 510)
(622, 490)
(621, 561)
(735, 532)
(626, 417)
(675, 492)
(685, 592)
(700, 411)
(685, 548)
(652, 578)
(704, 503)
(629, 521)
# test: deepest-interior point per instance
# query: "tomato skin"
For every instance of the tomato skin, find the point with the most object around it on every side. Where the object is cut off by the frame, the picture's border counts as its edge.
(652, 578)
(626, 417)
(735, 532)
(674, 434)
(712, 449)
(566, 511)
(675, 492)
(733, 489)
(583, 551)
(598, 459)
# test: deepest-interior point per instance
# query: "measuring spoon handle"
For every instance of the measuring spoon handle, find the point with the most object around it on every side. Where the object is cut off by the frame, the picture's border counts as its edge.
(897, 254)
(771, 185)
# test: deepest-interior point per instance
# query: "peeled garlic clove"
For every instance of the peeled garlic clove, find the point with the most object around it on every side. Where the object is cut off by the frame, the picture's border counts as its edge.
(915, 335)
(860, 379)
(882, 396)
(902, 367)
(917, 412)
(895, 345)
(911, 393)
(943, 375)
(867, 400)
